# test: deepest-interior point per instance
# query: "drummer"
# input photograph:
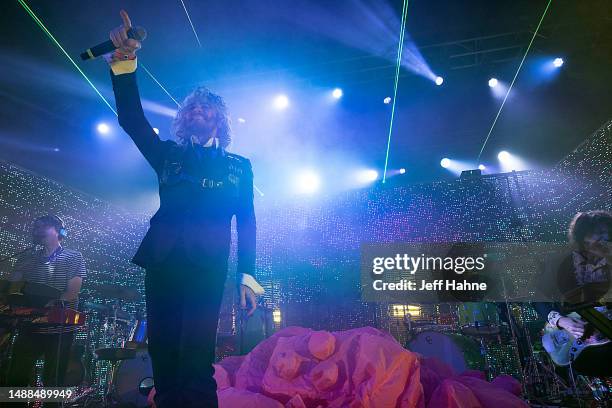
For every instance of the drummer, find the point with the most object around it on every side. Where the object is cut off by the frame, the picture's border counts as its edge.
(63, 269)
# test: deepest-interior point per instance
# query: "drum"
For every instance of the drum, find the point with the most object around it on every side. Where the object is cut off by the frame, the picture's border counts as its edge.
(460, 352)
(478, 319)
(133, 380)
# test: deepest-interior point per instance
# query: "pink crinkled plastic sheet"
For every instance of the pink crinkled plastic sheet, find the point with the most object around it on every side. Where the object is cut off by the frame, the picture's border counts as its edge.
(304, 368)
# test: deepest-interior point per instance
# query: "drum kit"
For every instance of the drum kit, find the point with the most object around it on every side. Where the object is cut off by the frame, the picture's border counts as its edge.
(123, 365)
(120, 355)
(465, 338)
(462, 346)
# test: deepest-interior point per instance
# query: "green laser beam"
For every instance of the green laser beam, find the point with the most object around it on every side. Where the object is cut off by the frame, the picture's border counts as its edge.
(46, 31)
(397, 72)
(160, 85)
(535, 33)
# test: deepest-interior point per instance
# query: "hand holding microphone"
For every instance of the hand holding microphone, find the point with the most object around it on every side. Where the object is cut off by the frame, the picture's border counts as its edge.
(124, 41)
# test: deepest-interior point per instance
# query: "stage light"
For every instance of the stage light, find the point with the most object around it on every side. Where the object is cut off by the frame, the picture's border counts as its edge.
(445, 162)
(398, 310)
(503, 156)
(276, 316)
(367, 176)
(56, 149)
(439, 80)
(281, 102)
(337, 93)
(493, 82)
(103, 128)
(241, 120)
(558, 62)
(156, 130)
(511, 162)
(481, 167)
(307, 182)
(387, 100)
(402, 170)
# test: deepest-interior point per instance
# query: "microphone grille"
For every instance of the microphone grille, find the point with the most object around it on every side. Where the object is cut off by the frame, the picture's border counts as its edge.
(138, 33)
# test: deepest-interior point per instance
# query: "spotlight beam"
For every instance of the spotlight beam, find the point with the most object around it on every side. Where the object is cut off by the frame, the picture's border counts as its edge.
(46, 31)
(535, 33)
(191, 23)
(397, 71)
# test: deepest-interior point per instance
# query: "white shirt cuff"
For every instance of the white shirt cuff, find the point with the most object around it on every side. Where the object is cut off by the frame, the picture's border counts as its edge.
(553, 318)
(250, 282)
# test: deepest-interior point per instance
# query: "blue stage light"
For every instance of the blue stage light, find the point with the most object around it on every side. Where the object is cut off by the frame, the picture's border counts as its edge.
(337, 93)
(103, 128)
(445, 162)
(307, 182)
(504, 156)
(281, 102)
(557, 62)
(493, 82)
(439, 80)
(367, 176)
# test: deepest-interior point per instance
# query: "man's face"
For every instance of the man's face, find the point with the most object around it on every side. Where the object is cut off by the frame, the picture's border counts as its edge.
(44, 234)
(598, 242)
(201, 119)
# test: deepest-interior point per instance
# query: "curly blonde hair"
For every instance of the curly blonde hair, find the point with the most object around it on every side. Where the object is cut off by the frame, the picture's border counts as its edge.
(203, 95)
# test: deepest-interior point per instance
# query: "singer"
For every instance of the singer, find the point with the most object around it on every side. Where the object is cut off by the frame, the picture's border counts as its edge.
(63, 269)
(185, 252)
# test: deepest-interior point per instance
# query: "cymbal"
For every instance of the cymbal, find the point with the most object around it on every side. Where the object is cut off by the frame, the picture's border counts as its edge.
(116, 292)
(107, 310)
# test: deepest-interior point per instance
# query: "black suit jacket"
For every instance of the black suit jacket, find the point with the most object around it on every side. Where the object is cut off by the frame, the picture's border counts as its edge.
(200, 190)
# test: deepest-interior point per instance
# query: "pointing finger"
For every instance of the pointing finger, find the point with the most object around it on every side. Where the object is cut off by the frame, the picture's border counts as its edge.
(126, 19)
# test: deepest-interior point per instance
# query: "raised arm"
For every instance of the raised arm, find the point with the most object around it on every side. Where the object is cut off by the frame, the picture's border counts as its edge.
(123, 65)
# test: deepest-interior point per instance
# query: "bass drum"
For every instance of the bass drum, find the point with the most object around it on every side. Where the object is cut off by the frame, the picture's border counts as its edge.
(460, 352)
(133, 380)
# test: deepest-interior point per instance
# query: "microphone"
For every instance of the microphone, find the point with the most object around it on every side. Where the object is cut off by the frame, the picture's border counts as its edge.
(136, 33)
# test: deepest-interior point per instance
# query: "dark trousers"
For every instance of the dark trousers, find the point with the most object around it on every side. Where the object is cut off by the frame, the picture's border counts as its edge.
(28, 348)
(183, 301)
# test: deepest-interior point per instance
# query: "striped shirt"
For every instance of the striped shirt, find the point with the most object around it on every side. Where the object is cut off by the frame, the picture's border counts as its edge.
(56, 270)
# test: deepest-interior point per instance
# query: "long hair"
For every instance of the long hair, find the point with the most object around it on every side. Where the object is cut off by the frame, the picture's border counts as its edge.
(584, 223)
(203, 95)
